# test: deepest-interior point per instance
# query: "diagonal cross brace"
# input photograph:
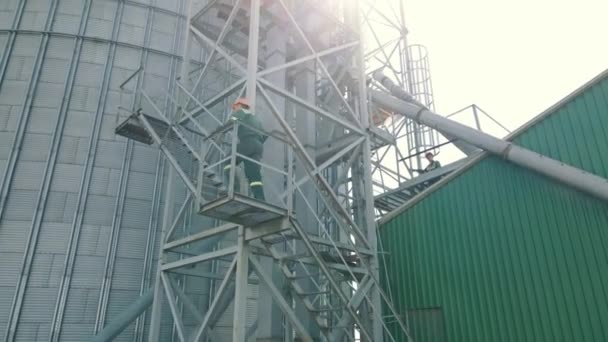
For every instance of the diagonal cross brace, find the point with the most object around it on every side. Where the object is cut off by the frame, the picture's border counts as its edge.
(293, 21)
(174, 311)
(293, 282)
(218, 42)
(330, 161)
(355, 301)
(280, 300)
(332, 282)
(206, 40)
(341, 215)
(311, 107)
(328, 195)
(213, 100)
(218, 295)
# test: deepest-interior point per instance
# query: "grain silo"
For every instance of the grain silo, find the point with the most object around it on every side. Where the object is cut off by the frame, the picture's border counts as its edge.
(80, 207)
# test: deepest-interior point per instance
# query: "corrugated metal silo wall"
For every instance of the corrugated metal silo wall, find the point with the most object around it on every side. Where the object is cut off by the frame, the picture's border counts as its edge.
(503, 254)
(80, 207)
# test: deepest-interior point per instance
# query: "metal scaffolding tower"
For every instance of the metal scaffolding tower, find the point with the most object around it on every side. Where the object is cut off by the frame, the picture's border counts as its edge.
(305, 262)
(388, 50)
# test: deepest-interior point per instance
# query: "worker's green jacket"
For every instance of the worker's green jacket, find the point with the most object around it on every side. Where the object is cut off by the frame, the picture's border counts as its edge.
(247, 119)
(432, 166)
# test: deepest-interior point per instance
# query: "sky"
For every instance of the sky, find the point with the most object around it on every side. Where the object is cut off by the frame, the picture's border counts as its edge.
(512, 58)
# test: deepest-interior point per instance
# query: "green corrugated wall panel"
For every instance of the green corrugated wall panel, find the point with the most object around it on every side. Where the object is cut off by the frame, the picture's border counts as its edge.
(576, 133)
(507, 254)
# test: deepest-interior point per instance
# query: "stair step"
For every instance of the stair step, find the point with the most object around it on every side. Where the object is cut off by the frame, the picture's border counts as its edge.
(294, 257)
(313, 293)
(208, 173)
(328, 309)
(312, 275)
(214, 181)
(319, 314)
(278, 239)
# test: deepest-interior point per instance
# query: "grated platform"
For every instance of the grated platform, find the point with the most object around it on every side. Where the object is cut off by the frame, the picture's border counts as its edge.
(132, 128)
(242, 210)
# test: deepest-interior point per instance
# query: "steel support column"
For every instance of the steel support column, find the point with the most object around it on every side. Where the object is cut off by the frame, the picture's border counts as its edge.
(252, 58)
(240, 296)
(271, 328)
(278, 297)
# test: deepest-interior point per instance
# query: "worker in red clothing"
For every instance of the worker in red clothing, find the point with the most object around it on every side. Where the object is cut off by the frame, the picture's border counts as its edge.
(250, 145)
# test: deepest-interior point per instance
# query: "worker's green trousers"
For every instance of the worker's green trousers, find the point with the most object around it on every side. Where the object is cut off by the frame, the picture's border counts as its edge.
(253, 149)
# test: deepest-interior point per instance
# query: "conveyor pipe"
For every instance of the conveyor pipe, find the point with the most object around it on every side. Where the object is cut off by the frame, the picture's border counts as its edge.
(555, 169)
(401, 94)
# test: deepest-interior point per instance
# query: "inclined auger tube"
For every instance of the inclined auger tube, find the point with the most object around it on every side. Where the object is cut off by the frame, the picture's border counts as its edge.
(395, 90)
(557, 170)
(401, 94)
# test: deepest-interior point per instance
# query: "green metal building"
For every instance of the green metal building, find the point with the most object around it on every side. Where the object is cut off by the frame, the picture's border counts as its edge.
(495, 252)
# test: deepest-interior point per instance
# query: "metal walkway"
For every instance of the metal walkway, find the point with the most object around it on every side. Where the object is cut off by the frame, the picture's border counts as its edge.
(393, 199)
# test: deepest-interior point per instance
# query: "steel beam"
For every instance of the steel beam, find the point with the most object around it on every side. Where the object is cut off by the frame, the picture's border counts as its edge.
(320, 63)
(203, 10)
(242, 276)
(356, 301)
(214, 100)
(211, 59)
(177, 321)
(201, 106)
(199, 258)
(218, 295)
(308, 58)
(276, 226)
(280, 300)
(252, 56)
(311, 107)
(377, 294)
(341, 214)
(334, 285)
(200, 236)
(201, 37)
(329, 150)
(326, 163)
(177, 218)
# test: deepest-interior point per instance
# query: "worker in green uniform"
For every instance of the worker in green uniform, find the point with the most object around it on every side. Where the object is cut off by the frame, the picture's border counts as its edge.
(250, 145)
(433, 164)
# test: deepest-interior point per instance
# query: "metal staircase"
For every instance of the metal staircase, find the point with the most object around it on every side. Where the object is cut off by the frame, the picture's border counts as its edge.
(322, 243)
(394, 199)
(334, 267)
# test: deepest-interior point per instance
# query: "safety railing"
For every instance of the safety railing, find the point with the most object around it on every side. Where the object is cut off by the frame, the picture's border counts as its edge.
(236, 184)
